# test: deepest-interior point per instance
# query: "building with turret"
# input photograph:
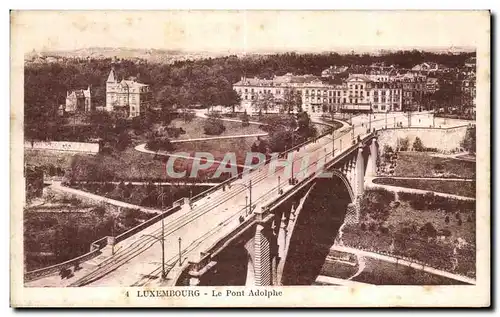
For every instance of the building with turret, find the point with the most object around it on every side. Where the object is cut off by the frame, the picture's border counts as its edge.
(79, 100)
(127, 95)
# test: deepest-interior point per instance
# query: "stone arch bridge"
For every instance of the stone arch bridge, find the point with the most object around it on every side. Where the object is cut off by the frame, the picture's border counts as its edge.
(260, 250)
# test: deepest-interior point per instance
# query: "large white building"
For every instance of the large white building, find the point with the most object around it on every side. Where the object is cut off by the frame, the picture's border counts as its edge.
(358, 93)
(128, 96)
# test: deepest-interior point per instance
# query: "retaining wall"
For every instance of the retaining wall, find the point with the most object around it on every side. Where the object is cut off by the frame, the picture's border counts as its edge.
(63, 146)
(445, 140)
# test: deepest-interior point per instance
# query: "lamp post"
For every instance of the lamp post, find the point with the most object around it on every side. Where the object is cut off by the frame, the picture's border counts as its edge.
(279, 185)
(180, 252)
(291, 180)
(246, 205)
(249, 187)
(162, 243)
(162, 237)
(333, 143)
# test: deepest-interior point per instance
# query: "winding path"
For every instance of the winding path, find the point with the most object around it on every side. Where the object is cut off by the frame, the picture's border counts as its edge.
(370, 184)
(387, 258)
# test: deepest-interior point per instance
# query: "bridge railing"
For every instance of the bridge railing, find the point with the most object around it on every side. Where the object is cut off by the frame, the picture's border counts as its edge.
(146, 224)
(36, 274)
(305, 180)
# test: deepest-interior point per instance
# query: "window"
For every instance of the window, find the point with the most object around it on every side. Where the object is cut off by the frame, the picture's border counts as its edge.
(350, 100)
(307, 91)
(246, 89)
(375, 99)
(253, 97)
(356, 100)
(344, 100)
(367, 93)
(330, 100)
(252, 90)
(356, 87)
(246, 97)
(382, 107)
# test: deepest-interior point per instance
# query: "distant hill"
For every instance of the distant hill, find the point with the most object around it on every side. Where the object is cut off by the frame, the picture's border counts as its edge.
(150, 55)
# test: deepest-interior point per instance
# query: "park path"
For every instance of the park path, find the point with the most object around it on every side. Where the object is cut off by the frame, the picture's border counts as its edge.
(338, 281)
(370, 184)
(387, 258)
(430, 178)
(255, 135)
(142, 148)
(57, 186)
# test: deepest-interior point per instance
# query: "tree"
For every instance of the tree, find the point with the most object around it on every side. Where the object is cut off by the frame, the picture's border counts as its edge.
(292, 100)
(469, 141)
(280, 140)
(428, 230)
(417, 145)
(159, 144)
(404, 143)
(230, 99)
(245, 121)
(123, 140)
(265, 102)
(214, 126)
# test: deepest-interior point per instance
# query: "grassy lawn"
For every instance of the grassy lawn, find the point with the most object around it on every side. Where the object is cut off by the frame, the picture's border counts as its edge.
(130, 165)
(380, 272)
(219, 148)
(417, 164)
(401, 232)
(194, 129)
(461, 188)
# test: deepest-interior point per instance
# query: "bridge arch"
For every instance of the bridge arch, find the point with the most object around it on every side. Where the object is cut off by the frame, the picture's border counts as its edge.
(311, 229)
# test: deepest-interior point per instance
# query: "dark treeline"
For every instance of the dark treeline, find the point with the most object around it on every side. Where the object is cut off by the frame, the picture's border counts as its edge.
(206, 81)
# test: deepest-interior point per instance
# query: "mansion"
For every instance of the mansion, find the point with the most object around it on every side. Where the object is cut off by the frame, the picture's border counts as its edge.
(128, 96)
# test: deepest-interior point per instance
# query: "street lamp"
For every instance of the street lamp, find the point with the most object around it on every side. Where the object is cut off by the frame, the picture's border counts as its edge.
(162, 238)
(180, 252)
(249, 187)
(162, 243)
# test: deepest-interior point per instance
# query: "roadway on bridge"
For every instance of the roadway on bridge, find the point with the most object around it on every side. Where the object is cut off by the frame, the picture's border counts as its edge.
(137, 260)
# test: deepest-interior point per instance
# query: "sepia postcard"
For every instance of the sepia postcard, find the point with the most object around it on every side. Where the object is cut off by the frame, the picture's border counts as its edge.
(250, 159)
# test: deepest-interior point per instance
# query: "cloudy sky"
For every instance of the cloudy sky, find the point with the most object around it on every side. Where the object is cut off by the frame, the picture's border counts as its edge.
(247, 31)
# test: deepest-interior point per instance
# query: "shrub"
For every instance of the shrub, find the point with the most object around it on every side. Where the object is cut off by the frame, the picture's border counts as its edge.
(428, 230)
(158, 144)
(404, 143)
(372, 226)
(245, 121)
(214, 126)
(417, 145)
